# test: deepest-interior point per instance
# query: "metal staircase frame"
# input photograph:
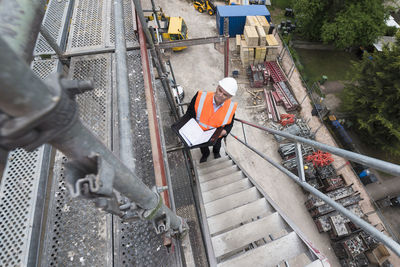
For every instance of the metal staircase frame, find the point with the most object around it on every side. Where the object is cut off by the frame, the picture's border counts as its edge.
(372, 162)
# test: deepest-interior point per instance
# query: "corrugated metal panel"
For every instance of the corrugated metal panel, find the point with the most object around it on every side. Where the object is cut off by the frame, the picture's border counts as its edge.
(237, 17)
(240, 11)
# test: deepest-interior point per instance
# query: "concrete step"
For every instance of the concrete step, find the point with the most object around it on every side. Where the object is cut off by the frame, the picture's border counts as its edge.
(244, 235)
(222, 172)
(270, 254)
(230, 202)
(222, 181)
(316, 263)
(211, 161)
(236, 216)
(215, 167)
(226, 190)
(300, 260)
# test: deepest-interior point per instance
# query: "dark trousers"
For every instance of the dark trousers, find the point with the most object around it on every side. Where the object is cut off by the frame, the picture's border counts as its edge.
(206, 151)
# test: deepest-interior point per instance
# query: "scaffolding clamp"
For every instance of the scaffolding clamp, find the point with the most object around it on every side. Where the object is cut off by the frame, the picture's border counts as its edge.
(35, 129)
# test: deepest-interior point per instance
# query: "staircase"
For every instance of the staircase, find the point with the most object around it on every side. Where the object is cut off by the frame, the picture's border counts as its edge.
(242, 226)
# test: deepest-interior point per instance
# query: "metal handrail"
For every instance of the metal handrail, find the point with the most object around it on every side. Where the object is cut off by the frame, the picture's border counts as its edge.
(362, 159)
(378, 164)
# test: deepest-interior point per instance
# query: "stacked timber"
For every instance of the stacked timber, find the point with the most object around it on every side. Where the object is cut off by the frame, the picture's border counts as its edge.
(256, 45)
(272, 51)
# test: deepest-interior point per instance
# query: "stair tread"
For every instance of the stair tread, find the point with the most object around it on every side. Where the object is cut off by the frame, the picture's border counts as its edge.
(211, 161)
(238, 215)
(210, 176)
(226, 190)
(300, 260)
(246, 234)
(231, 202)
(215, 167)
(270, 254)
(316, 263)
(222, 181)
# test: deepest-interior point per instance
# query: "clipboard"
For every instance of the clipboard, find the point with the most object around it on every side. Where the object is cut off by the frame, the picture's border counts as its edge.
(179, 124)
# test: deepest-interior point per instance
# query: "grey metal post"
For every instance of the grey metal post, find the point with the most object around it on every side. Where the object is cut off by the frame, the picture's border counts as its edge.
(244, 133)
(299, 159)
(395, 247)
(124, 123)
(20, 22)
(22, 94)
(226, 47)
(45, 33)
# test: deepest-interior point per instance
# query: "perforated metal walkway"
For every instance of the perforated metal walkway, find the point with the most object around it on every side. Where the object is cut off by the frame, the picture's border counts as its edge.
(40, 225)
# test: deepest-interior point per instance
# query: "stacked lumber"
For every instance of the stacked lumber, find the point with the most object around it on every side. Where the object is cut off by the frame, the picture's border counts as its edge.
(272, 50)
(256, 45)
(251, 35)
(264, 23)
(246, 54)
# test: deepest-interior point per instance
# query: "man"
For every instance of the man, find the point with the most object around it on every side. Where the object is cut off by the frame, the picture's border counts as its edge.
(213, 110)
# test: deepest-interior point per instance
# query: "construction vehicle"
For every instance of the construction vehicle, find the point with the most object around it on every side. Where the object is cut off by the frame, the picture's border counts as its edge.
(168, 28)
(201, 6)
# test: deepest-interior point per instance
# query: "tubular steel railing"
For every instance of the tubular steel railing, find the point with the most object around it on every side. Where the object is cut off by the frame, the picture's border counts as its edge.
(375, 163)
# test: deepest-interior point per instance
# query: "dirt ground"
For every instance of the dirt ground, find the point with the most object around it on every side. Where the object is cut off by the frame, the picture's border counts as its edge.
(200, 68)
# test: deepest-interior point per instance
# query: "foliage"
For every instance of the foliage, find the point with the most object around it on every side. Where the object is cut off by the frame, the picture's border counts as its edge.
(282, 4)
(345, 23)
(310, 16)
(390, 31)
(373, 99)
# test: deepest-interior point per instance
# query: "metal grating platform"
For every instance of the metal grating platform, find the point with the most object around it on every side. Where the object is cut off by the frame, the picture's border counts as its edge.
(21, 205)
(184, 200)
(55, 21)
(92, 25)
(136, 244)
(77, 233)
(130, 24)
(22, 193)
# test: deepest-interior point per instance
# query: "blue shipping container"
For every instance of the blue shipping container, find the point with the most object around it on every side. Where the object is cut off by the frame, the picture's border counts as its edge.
(237, 17)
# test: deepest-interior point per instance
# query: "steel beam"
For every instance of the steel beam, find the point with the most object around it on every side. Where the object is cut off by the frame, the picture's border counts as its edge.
(155, 140)
(20, 22)
(192, 42)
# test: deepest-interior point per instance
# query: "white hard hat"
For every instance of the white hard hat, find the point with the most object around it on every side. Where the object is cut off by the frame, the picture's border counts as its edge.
(229, 84)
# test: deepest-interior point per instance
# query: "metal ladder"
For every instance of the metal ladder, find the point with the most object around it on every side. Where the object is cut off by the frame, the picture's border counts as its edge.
(242, 226)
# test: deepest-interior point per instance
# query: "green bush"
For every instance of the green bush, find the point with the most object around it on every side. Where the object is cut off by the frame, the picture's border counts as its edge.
(390, 31)
(281, 3)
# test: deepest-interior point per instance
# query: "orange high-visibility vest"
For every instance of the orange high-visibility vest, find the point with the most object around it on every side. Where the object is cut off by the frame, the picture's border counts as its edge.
(205, 115)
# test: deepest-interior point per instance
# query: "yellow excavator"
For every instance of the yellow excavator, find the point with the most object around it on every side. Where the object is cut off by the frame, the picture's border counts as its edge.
(168, 28)
(204, 5)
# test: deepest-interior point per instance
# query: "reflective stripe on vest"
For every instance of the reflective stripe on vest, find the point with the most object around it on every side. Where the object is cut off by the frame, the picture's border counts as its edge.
(228, 114)
(201, 104)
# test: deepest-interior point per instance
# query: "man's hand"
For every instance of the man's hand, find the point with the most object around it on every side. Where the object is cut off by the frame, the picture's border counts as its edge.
(223, 133)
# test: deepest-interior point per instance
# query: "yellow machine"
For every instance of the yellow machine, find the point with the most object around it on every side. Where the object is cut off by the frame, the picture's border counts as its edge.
(204, 5)
(170, 28)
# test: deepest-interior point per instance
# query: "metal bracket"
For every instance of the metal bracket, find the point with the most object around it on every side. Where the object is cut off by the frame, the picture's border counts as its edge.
(35, 129)
(90, 183)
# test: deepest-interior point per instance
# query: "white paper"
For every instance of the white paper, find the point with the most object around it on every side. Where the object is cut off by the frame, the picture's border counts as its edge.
(193, 134)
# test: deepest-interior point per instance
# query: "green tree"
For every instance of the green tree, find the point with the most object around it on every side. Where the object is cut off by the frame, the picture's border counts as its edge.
(373, 98)
(344, 23)
(310, 15)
